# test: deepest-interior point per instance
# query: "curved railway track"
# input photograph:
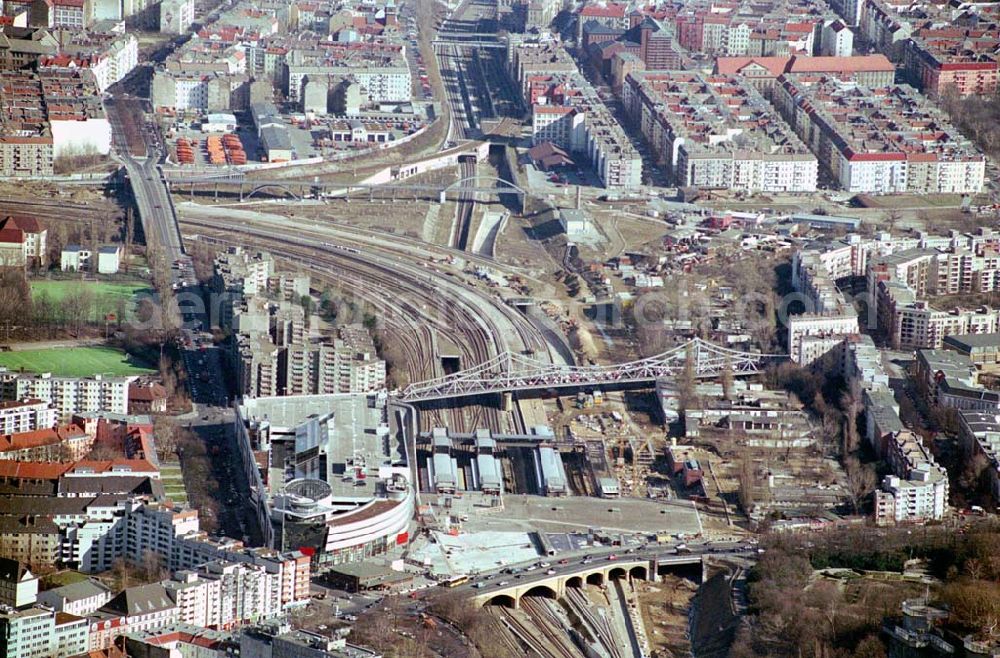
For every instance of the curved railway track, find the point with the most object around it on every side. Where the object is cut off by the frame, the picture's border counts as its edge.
(406, 297)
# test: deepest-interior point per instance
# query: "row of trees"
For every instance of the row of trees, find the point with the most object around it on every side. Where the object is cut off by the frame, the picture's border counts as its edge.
(792, 613)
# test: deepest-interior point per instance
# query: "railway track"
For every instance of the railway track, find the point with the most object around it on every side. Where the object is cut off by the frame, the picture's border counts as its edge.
(406, 303)
(530, 638)
(464, 210)
(599, 625)
(551, 626)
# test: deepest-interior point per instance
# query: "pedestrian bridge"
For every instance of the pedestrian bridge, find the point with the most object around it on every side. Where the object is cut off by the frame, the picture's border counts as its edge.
(597, 573)
(517, 372)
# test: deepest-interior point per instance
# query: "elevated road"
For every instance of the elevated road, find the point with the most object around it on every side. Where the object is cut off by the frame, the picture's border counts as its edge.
(152, 198)
(508, 588)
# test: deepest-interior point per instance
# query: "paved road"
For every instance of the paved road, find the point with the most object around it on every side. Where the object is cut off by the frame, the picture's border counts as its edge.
(153, 202)
(213, 419)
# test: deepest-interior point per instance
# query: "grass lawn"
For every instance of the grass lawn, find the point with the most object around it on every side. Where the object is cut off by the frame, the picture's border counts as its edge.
(74, 361)
(60, 578)
(106, 295)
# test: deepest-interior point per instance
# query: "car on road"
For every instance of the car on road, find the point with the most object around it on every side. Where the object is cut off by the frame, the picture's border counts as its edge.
(502, 583)
(612, 557)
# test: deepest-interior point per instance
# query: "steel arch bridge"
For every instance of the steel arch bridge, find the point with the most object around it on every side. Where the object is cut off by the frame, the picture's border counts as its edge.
(515, 372)
(511, 188)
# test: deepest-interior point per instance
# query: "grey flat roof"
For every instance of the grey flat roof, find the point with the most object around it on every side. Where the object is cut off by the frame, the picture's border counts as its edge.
(966, 342)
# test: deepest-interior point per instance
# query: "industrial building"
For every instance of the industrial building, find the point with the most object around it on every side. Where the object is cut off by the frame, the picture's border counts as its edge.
(445, 471)
(552, 472)
(488, 472)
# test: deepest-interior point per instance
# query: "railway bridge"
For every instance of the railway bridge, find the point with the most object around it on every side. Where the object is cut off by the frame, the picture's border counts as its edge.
(596, 574)
(509, 372)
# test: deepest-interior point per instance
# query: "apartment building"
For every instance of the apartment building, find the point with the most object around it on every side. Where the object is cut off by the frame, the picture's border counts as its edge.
(381, 82)
(608, 14)
(46, 114)
(21, 413)
(70, 14)
(911, 323)
(238, 274)
(280, 640)
(23, 242)
(900, 282)
(760, 29)
(918, 489)
(63, 443)
(881, 26)
(38, 631)
(176, 16)
(80, 598)
(829, 317)
(109, 57)
(948, 379)
(68, 395)
(340, 366)
(838, 39)
(983, 350)
(715, 132)
(588, 128)
(979, 434)
(875, 140)
(763, 72)
(18, 586)
(940, 45)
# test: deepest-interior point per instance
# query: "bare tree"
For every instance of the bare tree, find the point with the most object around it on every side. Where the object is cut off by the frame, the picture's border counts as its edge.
(850, 402)
(860, 482)
(747, 479)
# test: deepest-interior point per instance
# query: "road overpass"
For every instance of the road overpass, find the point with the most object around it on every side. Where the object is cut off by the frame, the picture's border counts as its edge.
(596, 573)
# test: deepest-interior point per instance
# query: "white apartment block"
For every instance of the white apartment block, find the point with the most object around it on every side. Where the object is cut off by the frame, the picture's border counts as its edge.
(22, 414)
(69, 395)
(829, 317)
(116, 61)
(918, 326)
(812, 325)
(80, 598)
(380, 84)
(979, 433)
(564, 126)
(176, 16)
(69, 14)
(577, 121)
(37, 631)
(837, 39)
(918, 490)
(190, 92)
(875, 138)
(716, 132)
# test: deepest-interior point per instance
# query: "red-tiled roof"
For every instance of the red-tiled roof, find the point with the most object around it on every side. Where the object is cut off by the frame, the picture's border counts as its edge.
(32, 470)
(859, 64)
(26, 223)
(11, 236)
(609, 10)
(141, 393)
(733, 65)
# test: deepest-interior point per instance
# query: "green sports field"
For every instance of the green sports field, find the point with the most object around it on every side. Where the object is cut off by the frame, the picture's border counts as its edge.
(73, 361)
(106, 296)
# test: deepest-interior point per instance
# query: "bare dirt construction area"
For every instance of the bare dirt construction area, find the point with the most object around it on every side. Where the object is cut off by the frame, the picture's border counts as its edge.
(399, 628)
(664, 607)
